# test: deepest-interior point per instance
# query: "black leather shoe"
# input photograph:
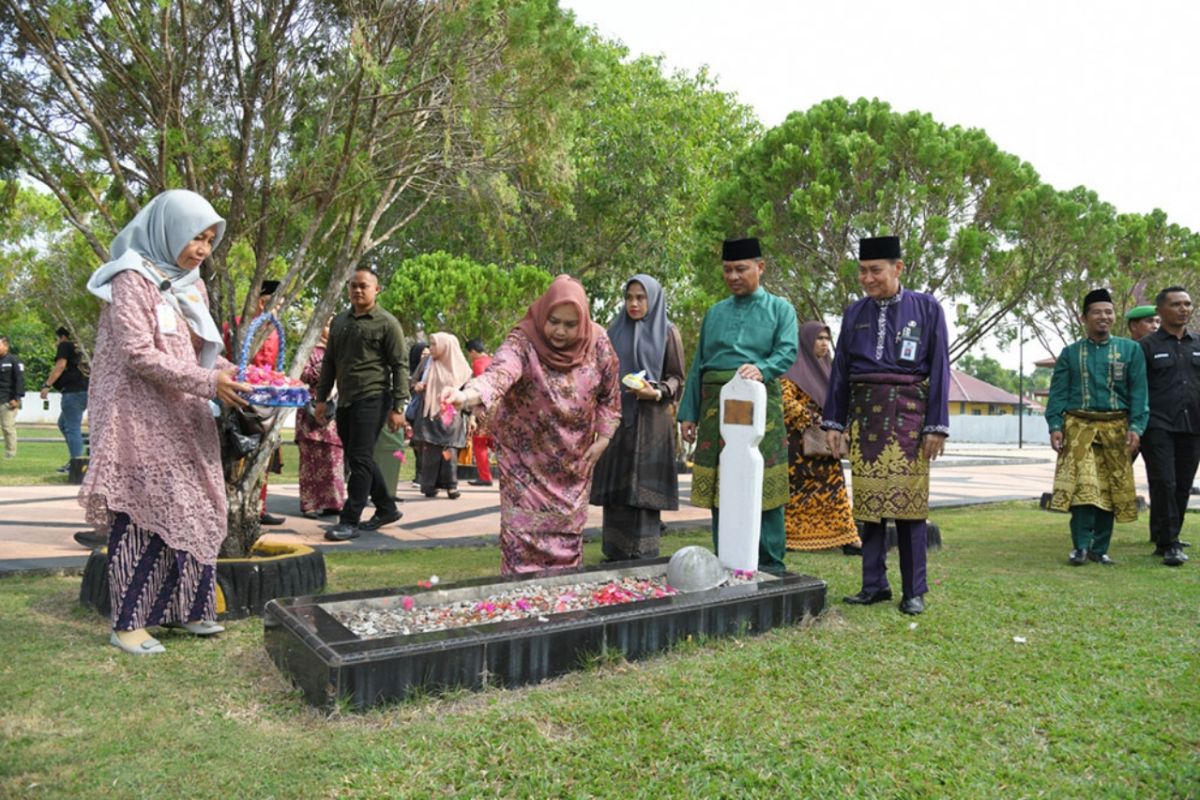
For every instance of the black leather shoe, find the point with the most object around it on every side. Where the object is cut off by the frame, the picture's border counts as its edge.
(1078, 557)
(342, 532)
(330, 512)
(1159, 550)
(479, 483)
(913, 605)
(91, 539)
(379, 520)
(865, 598)
(270, 519)
(454, 494)
(1174, 556)
(851, 550)
(1104, 559)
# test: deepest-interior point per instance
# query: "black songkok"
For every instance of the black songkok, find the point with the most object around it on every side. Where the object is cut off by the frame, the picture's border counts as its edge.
(740, 249)
(1096, 296)
(268, 287)
(885, 247)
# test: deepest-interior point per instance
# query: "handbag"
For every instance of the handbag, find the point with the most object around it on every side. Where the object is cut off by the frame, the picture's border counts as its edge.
(413, 409)
(814, 442)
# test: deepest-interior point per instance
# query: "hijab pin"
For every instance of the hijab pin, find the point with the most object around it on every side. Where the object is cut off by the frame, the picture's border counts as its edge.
(166, 284)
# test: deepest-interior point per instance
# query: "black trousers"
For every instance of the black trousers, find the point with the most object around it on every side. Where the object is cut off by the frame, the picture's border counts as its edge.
(1171, 459)
(358, 427)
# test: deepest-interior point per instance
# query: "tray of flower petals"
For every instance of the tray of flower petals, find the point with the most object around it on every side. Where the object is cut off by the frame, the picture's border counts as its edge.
(383, 645)
(272, 388)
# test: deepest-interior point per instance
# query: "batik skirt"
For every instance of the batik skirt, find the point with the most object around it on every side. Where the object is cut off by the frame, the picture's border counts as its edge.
(1094, 468)
(150, 583)
(889, 471)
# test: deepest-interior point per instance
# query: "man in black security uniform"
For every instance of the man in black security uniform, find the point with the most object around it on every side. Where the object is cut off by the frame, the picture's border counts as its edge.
(1171, 443)
(367, 357)
(12, 389)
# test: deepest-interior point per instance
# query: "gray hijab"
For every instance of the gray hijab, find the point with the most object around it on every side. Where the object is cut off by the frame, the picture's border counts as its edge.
(149, 245)
(640, 344)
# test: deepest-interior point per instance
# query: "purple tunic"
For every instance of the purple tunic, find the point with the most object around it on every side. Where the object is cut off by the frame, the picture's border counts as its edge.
(907, 338)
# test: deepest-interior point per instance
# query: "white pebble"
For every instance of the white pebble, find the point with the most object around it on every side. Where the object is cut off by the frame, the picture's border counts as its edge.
(912, 626)
(1019, 639)
(433, 579)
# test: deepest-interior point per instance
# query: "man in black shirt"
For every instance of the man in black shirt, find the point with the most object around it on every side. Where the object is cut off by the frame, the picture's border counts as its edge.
(68, 378)
(12, 389)
(366, 358)
(1171, 443)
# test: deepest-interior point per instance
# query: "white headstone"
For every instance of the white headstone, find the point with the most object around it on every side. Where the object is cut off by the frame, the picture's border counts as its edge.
(739, 513)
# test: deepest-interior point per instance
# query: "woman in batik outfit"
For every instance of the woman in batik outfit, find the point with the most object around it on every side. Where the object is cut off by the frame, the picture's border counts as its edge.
(558, 377)
(155, 478)
(636, 478)
(818, 515)
(322, 470)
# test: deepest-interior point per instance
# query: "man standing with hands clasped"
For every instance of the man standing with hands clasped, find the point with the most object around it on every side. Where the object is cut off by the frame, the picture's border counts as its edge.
(1096, 414)
(753, 334)
(888, 400)
(1171, 443)
(367, 357)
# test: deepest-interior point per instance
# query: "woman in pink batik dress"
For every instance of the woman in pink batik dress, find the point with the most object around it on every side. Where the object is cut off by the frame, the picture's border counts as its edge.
(557, 374)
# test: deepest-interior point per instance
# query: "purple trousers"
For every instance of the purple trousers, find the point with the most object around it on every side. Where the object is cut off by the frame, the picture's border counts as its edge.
(911, 541)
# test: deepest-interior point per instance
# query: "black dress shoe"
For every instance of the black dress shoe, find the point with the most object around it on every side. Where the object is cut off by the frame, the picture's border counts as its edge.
(913, 605)
(330, 512)
(1174, 556)
(454, 494)
(479, 483)
(1078, 557)
(91, 539)
(851, 550)
(865, 598)
(379, 520)
(270, 519)
(342, 532)
(1104, 559)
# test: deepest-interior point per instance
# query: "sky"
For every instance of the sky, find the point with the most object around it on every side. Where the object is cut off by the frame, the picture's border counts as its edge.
(1102, 94)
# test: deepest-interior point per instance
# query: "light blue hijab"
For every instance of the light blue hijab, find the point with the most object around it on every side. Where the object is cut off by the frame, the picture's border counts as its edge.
(149, 245)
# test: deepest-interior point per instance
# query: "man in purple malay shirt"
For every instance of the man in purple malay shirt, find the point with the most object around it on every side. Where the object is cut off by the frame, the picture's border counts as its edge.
(888, 401)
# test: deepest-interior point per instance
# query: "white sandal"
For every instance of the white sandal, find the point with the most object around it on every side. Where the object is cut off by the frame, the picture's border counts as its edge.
(148, 647)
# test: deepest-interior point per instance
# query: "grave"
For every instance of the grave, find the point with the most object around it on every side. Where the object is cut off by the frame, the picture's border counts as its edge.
(372, 647)
(332, 663)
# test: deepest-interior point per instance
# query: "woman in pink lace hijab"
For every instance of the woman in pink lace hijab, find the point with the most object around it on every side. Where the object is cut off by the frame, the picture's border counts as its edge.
(155, 479)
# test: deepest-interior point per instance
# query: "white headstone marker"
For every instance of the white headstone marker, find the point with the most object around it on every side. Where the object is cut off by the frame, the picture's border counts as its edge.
(739, 512)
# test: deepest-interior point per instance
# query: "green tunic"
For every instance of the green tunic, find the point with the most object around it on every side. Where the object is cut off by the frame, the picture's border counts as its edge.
(758, 329)
(1099, 376)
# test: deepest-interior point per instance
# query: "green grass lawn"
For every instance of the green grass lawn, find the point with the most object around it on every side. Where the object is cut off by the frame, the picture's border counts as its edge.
(36, 462)
(1102, 699)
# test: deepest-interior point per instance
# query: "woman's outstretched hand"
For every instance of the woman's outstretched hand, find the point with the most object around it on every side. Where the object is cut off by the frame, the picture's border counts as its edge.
(228, 387)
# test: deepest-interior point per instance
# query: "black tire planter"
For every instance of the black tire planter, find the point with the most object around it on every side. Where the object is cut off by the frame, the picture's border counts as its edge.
(244, 585)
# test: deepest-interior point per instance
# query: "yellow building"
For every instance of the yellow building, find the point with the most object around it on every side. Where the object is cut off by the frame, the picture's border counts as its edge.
(972, 397)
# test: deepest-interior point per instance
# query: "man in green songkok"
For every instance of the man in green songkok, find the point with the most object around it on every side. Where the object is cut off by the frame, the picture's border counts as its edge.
(1097, 412)
(1142, 321)
(754, 334)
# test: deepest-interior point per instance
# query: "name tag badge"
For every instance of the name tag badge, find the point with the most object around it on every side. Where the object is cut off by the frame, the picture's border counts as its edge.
(1168, 355)
(167, 321)
(1118, 371)
(908, 350)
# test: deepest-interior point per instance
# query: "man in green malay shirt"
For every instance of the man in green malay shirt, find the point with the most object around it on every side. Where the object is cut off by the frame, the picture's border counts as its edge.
(753, 334)
(1097, 412)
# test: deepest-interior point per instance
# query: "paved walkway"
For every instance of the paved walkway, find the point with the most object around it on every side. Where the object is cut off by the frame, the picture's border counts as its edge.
(37, 522)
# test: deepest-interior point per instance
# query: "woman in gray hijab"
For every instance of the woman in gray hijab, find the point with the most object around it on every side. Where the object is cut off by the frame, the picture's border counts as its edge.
(636, 478)
(155, 480)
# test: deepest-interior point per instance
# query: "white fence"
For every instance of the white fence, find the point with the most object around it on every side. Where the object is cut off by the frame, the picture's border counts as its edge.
(998, 429)
(35, 410)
